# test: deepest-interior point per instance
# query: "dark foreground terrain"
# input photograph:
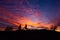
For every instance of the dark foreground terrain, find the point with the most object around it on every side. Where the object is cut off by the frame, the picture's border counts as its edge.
(28, 34)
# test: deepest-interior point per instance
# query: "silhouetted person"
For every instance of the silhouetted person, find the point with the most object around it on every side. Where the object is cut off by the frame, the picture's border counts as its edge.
(8, 28)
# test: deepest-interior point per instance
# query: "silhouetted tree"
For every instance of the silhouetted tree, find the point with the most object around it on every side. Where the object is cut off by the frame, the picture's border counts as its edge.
(58, 24)
(55, 28)
(52, 27)
(25, 26)
(19, 27)
(8, 28)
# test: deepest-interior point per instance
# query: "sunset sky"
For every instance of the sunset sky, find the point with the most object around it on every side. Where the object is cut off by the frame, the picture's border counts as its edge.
(30, 12)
